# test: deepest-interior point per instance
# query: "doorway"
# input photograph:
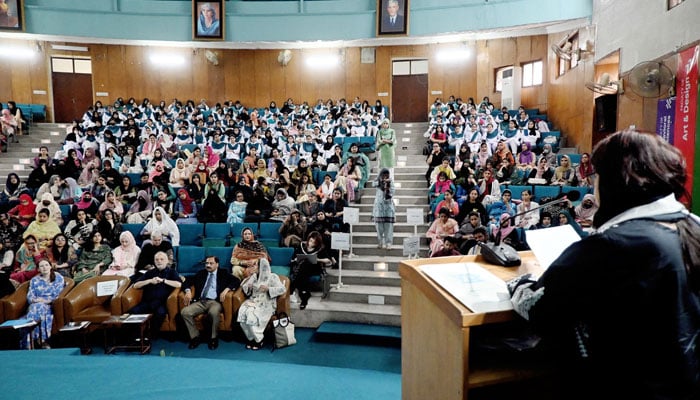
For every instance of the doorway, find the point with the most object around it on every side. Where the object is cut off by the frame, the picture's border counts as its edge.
(409, 88)
(72, 87)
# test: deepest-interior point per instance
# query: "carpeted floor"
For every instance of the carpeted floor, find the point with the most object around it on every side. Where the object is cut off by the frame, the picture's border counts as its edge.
(309, 370)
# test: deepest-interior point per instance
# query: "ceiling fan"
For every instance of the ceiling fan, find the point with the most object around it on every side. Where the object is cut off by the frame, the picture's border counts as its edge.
(566, 51)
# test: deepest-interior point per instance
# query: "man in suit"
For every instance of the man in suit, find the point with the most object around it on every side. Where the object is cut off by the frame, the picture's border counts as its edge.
(392, 20)
(211, 285)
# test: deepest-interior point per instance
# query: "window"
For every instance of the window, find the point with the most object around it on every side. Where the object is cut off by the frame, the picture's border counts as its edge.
(71, 65)
(532, 73)
(501, 73)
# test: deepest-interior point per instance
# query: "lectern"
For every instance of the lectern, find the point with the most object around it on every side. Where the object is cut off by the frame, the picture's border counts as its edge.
(435, 332)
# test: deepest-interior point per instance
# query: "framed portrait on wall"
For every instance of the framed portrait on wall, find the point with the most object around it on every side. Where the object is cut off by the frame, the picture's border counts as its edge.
(392, 17)
(11, 15)
(208, 20)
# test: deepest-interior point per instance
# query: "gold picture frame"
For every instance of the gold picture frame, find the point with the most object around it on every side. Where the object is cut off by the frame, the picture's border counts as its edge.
(12, 15)
(208, 20)
(392, 17)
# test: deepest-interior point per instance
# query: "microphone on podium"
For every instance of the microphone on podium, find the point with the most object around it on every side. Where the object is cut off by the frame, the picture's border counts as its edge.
(498, 253)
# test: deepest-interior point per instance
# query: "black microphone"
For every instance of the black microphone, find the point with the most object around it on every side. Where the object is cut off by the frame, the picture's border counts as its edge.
(506, 256)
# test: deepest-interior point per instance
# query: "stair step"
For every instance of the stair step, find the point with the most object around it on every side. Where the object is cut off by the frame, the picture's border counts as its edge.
(366, 294)
(365, 277)
(319, 311)
(346, 328)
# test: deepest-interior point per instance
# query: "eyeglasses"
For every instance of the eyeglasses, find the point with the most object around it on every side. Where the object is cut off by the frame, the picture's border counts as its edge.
(283, 322)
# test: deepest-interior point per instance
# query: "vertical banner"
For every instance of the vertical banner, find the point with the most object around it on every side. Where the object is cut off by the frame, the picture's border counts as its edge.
(686, 111)
(665, 118)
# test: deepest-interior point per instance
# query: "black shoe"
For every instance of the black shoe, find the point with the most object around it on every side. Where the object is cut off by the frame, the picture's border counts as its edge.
(214, 344)
(194, 343)
(304, 299)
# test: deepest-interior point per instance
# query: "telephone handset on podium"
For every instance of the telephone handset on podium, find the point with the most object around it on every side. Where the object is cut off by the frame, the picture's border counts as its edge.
(498, 253)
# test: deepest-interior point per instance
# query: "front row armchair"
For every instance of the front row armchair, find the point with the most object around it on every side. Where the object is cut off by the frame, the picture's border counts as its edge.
(15, 305)
(83, 304)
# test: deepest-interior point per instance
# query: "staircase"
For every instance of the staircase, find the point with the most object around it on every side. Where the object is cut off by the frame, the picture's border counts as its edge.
(20, 156)
(366, 295)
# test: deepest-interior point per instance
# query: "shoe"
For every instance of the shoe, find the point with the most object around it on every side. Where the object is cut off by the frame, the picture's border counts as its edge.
(380, 246)
(194, 343)
(256, 346)
(249, 344)
(294, 298)
(214, 344)
(305, 296)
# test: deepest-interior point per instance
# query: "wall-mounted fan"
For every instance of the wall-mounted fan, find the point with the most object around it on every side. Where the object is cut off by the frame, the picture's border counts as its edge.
(652, 79)
(284, 57)
(605, 85)
(212, 57)
(566, 51)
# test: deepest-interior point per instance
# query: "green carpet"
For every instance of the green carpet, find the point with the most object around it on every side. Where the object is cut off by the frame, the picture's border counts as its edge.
(310, 370)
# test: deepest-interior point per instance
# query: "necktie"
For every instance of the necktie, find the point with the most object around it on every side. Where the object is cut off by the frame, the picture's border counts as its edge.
(393, 21)
(208, 286)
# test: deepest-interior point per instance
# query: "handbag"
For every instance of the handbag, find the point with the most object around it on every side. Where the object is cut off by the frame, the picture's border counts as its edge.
(284, 331)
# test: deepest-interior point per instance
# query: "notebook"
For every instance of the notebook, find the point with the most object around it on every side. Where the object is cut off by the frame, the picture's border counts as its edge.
(311, 258)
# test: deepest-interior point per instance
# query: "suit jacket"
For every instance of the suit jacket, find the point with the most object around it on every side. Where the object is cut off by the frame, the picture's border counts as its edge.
(398, 25)
(224, 280)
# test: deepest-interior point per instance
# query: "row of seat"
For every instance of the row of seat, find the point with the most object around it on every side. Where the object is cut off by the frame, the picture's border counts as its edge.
(217, 234)
(32, 112)
(190, 259)
(80, 302)
(540, 192)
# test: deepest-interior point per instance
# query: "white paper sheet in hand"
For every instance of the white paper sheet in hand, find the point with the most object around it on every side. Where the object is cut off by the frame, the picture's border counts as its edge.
(548, 244)
(478, 289)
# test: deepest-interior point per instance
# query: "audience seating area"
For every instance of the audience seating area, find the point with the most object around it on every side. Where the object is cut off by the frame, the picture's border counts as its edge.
(32, 112)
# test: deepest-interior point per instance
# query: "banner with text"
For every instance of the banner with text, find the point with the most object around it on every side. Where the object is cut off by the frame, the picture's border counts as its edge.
(665, 118)
(686, 109)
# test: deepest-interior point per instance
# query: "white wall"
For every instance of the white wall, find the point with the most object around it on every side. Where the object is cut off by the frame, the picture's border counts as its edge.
(643, 29)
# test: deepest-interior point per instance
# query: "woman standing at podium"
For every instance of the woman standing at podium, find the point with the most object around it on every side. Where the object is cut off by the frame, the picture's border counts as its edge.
(621, 308)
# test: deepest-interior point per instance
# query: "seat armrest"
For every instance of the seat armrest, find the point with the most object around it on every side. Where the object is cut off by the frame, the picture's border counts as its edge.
(131, 297)
(173, 304)
(15, 304)
(283, 300)
(58, 308)
(229, 311)
(116, 302)
(80, 298)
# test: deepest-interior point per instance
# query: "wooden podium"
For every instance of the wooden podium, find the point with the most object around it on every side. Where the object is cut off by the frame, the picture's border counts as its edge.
(435, 335)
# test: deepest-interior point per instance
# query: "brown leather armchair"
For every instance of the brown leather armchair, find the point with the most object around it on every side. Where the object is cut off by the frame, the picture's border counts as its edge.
(231, 305)
(15, 305)
(83, 304)
(132, 297)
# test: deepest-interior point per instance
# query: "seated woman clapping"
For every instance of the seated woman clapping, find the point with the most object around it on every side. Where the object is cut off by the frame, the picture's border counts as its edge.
(262, 287)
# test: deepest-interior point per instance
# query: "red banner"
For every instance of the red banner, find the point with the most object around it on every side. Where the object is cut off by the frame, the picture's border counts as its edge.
(686, 108)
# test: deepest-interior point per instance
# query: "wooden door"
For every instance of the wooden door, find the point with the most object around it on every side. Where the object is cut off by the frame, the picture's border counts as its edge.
(409, 94)
(72, 95)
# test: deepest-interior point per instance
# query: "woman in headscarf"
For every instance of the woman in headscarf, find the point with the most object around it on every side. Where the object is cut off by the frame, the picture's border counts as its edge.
(43, 229)
(72, 166)
(505, 229)
(79, 229)
(586, 210)
(282, 205)
(246, 254)
(212, 159)
(112, 203)
(310, 259)
(443, 226)
(262, 288)
(158, 170)
(542, 174)
(25, 211)
(549, 155)
(386, 142)
(88, 204)
(236, 210)
(10, 194)
(93, 260)
(124, 257)
(208, 21)
(90, 167)
(186, 208)
(46, 201)
(384, 211)
(110, 228)
(140, 210)
(53, 187)
(565, 218)
(214, 203)
(585, 171)
(564, 174)
(162, 223)
(181, 174)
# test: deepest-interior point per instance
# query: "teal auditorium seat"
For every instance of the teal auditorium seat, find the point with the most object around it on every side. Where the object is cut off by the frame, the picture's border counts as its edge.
(281, 259)
(224, 254)
(189, 260)
(191, 234)
(541, 191)
(368, 144)
(135, 230)
(517, 190)
(216, 234)
(553, 138)
(237, 228)
(270, 234)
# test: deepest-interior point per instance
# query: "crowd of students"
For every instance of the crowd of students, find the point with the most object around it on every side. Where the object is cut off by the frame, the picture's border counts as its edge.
(472, 153)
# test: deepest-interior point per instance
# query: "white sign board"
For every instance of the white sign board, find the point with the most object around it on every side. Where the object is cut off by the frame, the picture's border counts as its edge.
(107, 288)
(351, 215)
(340, 241)
(411, 245)
(414, 216)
